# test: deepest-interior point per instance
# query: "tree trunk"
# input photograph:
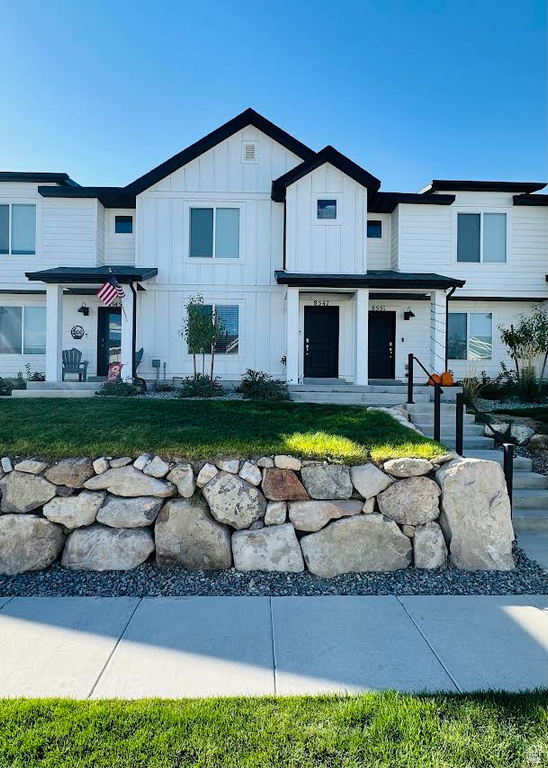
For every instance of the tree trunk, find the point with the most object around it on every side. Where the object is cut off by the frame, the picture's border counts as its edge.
(212, 364)
(194, 363)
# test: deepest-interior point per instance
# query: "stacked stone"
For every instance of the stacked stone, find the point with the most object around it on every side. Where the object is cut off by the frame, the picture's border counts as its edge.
(277, 513)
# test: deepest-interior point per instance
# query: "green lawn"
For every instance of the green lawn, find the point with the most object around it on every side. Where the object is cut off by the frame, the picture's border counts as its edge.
(380, 729)
(202, 429)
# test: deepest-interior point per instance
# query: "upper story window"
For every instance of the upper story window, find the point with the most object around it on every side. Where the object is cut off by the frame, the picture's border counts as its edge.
(326, 209)
(470, 336)
(22, 329)
(123, 225)
(18, 229)
(215, 233)
(481, 237)
(374, 228)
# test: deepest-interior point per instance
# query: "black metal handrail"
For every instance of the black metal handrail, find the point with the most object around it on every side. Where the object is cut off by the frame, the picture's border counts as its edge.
(438, 391)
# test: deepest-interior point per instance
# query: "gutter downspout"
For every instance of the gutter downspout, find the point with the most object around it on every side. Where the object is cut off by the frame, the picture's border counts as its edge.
(133, 332)
(447, 297)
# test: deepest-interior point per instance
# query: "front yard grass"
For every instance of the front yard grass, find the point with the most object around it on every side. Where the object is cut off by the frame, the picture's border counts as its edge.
(54, 428)
(385, 730)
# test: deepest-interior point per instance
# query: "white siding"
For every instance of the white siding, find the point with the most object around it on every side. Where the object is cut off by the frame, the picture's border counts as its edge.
(394, 239)
(100, 233)
(326, 246)
(119, 248)
(378, 248)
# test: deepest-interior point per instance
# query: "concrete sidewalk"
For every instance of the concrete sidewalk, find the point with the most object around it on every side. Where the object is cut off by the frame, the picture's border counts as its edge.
(223, 646)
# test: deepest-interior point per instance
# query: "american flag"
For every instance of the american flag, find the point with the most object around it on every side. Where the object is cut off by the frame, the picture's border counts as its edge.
(110, 291)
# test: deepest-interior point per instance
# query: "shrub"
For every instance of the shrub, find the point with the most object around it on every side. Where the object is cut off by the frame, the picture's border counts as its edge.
(7, 385)
(122, 388)
(200, 385)
(257, 385)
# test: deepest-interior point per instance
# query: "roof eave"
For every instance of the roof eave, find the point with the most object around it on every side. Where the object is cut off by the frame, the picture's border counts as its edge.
(367, 280)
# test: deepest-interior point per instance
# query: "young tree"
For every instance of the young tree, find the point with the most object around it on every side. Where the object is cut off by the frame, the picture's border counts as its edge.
(527, 343)
(202, 329)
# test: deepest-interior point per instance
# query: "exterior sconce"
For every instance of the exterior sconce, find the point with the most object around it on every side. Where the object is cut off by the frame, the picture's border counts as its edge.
(84, 309)
(408, 314)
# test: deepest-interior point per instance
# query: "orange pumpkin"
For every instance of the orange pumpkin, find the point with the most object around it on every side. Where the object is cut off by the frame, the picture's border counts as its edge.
(435, 378)
(447, 379)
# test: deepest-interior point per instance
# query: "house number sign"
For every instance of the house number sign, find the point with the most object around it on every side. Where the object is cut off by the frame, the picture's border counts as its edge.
(321, 302)
(378, 308)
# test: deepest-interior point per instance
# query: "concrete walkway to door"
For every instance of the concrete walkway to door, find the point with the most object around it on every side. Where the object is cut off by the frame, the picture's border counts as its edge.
(224, 646)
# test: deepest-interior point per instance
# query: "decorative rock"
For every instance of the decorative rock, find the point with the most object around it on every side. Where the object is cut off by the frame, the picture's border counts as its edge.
(274, 548)
(206, 474)
(28, 543)
(256, 525)
(282, 461)
(141, 461)
(183, 477)
(129, 513)
(250, 473)
(447, 457)
(475, 515)
(128, 481)
(99, 548)
(283, 485)
(502, 427)
(331, 481)
(413, 501)
(409, 530)
(357, 544)
(521, 433)
(312, 515)
(32, 466)
(369, 480)
(71, 472)
(429, 546)
(64, 490)
(156, 467)
(6, 464)
(187, 535)
(122, 462)
(74, 511)
(233, 501)
(100, 465)
(229, 465)
(538, 443)
(276, 513)
(22, 492)
(265, 462)
(408, 467)
(369, 506)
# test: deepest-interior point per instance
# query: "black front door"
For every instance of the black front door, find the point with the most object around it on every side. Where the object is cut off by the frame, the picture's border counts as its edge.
(109, 338)
(382, 345)
(321, 342)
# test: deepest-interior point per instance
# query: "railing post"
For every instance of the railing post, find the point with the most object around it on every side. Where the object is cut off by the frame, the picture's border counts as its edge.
(459, 424)
(437, 412)
(410, 378)
(508, 453)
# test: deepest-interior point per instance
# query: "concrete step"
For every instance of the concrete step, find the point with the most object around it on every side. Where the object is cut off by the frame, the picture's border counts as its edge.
(448, 428)
(529, 519)
(58, 385)
(531, 498)
(520, 462)
(393, 389)
(470, 444)
(36, 393)
(347, 398)
(427, 406)
(523, 480)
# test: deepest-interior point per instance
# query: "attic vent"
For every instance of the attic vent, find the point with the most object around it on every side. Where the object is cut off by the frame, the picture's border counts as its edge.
(249, 151)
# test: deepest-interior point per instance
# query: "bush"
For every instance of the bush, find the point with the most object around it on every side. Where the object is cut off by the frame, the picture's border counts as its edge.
(8, 384)
(122, 388)
(200, 385)
(257, 385)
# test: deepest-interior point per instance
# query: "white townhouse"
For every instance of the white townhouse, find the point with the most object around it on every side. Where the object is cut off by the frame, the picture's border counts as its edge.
(315, 272)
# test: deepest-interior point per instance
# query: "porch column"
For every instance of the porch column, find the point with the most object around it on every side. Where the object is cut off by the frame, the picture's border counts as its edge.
(292, 334)
(362, 333)
(128, 309)
(437, 331)
(54, 331)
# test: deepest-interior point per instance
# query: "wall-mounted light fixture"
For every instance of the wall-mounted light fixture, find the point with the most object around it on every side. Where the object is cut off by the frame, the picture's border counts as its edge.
(84, 309)
(408, 314)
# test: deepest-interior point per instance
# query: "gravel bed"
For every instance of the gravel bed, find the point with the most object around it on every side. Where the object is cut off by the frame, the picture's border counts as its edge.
(150, 581)
(175, 396)
(514, 403)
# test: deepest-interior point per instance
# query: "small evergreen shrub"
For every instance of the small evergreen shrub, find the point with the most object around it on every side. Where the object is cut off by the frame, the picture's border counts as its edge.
(200, 385)
(257, 385)
(121, 388)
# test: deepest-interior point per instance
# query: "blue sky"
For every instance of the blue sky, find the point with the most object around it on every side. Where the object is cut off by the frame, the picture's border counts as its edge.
(409, 89)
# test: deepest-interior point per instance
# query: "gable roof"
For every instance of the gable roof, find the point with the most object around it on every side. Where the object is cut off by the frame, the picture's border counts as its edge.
(38, 178)
(326, 155)
(247, 117)
(110, 197)
(453, 185)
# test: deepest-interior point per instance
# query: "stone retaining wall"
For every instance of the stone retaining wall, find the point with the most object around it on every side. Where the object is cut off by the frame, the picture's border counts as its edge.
(275, 514)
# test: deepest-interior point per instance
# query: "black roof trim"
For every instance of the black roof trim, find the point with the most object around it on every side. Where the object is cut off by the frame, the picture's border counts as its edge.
(386, 202)
(530, 299)
(530, 199)
(247, 117)
(371, 279)
(453, 185)
(326, 155)
(123, 274)
(38, 178)
(110, 197)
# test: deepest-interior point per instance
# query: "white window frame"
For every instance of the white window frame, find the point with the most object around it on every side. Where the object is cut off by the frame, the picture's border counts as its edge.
(212, 259)
(125, 216)
(10, 205)
(481, 212)
(336, 222)
(23, 307)
(383, 229)
(469, 312)
(227, 302)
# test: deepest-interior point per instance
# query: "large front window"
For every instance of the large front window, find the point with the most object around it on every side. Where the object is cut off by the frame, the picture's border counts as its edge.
(215, 233)
(17, 229)
(481, 237)
(228, 316)
(22, 330)
(470, 336)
